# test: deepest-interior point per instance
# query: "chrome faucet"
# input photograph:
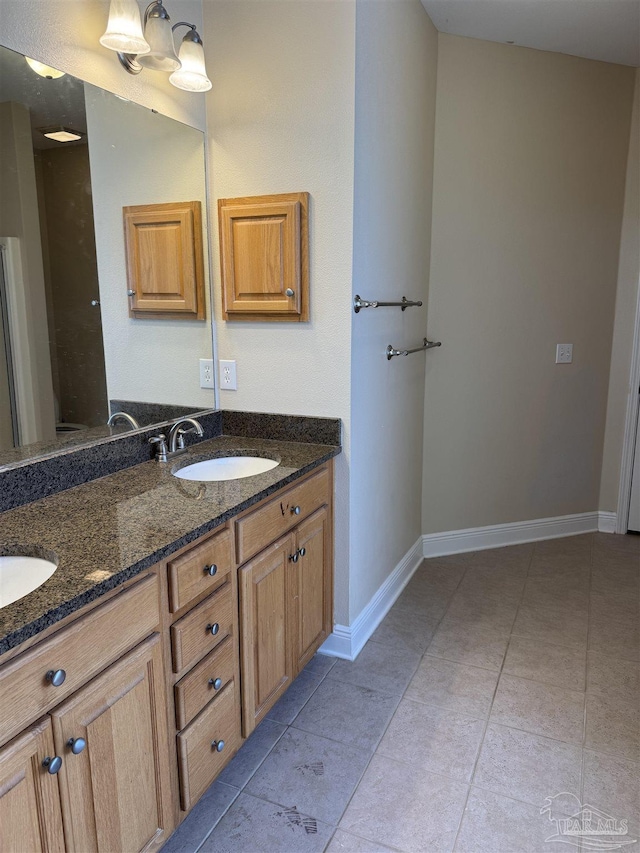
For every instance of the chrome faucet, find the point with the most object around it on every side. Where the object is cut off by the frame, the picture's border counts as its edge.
(133, 423)
(177, 433)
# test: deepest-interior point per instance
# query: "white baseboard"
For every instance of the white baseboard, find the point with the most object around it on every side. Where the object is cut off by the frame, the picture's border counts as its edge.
(346, 641)
(607, 522)
(515, 533)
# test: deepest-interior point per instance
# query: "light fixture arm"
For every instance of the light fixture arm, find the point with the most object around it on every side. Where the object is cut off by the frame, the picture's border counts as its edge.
(192, 36)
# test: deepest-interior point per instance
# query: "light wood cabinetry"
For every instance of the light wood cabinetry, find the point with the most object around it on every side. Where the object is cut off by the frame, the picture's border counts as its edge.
(165, 265)
(264, 257)
(286, 600)
(30, 814)
(115, 790)
(112, 727)
(266, 661)
(93, 774)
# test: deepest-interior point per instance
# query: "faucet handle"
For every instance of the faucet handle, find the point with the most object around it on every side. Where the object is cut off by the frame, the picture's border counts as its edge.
(161, 441)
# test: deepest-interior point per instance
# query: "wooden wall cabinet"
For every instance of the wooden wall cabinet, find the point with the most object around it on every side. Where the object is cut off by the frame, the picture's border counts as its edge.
(165, 266)
(264, 257)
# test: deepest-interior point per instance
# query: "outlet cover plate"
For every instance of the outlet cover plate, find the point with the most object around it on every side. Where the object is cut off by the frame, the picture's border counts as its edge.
(564, 353)
(206, 373)
(228, 376)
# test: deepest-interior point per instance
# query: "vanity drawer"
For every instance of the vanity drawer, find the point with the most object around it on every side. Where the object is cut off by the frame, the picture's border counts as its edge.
(190, 573)
(197, 688)
(82, 649)
(257, 530)
(192, 636)
(199, 760)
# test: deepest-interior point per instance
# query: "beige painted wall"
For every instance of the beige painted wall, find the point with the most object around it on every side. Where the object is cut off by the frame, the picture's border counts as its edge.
(150, 360)
(65, 33)
(626, 301)
(530, 161)
(280, 119)
(396, 59)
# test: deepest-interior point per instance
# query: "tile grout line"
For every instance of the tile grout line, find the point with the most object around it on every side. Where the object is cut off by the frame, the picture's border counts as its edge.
(481, 744)
(240, 790)
(374, 753)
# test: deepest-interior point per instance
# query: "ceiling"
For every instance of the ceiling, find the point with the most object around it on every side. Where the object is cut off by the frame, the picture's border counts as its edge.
(608, 30)
(50, 102)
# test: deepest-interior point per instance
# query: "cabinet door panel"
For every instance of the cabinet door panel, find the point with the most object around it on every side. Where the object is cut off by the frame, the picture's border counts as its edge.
(266, 659)
(30, 817)
(312, 590)
(115, 792)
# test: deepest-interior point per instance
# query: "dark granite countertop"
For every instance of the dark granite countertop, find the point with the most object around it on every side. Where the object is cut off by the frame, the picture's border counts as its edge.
(106, 531)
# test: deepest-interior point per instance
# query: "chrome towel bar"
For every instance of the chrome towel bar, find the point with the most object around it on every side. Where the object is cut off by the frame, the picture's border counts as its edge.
(359, 303)
(425, 345)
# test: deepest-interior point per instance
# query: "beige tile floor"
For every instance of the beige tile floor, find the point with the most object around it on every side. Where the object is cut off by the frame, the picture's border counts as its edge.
(499, 679)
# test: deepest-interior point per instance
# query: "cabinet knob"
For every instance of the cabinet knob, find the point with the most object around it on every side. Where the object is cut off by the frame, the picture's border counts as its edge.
(216, 683)
(210, 570)
(295, 510)
(56, 677)
(218, 745)
(293, 558)
(131, 293)
(52, 765)
(213, 629)
(76, 744)
(302, 551)
(289, 292)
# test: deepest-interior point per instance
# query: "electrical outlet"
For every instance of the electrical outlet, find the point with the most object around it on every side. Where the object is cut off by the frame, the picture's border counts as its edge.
(564, 353)
(228, 378)
(206, 373)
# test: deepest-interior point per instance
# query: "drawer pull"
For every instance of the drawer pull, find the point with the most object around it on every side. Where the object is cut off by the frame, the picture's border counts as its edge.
(213, 629)
(210, 570)
(218, 745)
(56, 677)
(76, 744)
(216, 683)
(52, 765)
(295, 510)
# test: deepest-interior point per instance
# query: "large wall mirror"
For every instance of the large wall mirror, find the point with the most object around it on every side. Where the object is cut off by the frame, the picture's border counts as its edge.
(70, 353)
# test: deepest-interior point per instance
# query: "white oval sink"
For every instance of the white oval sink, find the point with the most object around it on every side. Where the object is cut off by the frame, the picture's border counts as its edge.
(20, 575)
(226, 468)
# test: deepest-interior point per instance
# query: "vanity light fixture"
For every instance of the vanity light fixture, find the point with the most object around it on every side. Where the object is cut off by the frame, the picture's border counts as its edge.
(187, 69)
(124, 30)
(192, 75)
(44, 70)
(61, 134)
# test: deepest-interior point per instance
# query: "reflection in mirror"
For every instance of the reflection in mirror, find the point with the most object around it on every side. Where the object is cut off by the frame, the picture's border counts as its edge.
(70, 353)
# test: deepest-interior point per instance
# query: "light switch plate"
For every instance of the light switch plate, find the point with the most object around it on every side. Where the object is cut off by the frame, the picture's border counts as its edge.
(564, 353)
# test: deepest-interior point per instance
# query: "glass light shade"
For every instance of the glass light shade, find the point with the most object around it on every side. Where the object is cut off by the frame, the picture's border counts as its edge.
(124, 30)
(44, 70)
(192, 77)
(162, 56)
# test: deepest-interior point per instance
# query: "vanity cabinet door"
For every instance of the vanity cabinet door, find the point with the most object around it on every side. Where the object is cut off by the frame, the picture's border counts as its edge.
(30, 817)
(267, 667)
(112, 735)
(311, 605)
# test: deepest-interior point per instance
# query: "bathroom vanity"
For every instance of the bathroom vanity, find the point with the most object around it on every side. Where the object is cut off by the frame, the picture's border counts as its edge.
(178, 615)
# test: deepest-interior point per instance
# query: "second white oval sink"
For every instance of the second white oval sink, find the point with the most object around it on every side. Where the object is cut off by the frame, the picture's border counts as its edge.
(20, 575)
(225, 468)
